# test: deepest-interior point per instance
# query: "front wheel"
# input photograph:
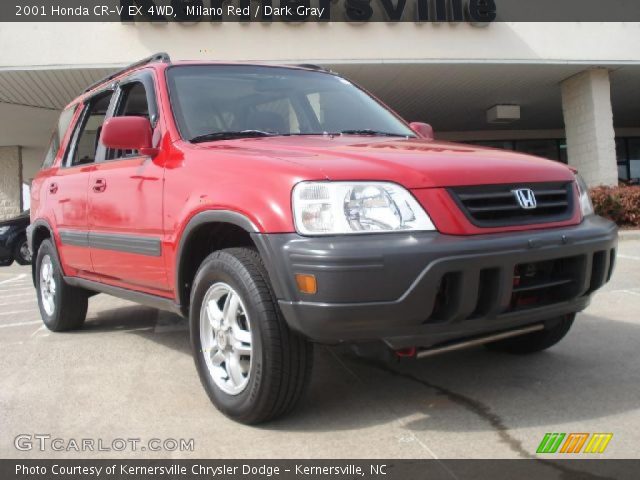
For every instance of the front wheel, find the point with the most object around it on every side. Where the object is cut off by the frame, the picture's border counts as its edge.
(21, 252)
(252, 366)
(536, 341)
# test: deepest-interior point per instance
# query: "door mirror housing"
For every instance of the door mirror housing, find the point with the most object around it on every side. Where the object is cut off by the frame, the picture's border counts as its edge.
(129, 133)
(424, 130)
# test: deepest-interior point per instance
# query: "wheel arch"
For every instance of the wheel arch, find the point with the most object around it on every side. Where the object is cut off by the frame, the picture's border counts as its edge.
(205, 233)
(37, 233)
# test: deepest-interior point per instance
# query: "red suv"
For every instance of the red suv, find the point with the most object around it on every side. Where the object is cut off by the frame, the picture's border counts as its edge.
(278, 206)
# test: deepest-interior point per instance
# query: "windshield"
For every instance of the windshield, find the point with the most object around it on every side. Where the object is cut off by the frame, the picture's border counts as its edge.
(226, 101)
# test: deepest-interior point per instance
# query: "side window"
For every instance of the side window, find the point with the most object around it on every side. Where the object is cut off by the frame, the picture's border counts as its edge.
(58, 135)
(133, 103)
(87, 135)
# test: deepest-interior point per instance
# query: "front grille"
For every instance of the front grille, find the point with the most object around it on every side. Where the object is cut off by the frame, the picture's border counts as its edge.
(497, 205)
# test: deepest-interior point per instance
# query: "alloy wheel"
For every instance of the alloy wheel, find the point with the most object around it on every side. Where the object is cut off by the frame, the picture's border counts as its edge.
(225, 337)
(47, 285)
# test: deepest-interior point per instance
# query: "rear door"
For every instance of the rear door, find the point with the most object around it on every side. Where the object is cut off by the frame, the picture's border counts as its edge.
(125, 201)
(66, 189)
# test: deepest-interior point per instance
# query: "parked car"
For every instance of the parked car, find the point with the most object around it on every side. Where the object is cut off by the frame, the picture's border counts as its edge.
(13, 240)
(276, 207)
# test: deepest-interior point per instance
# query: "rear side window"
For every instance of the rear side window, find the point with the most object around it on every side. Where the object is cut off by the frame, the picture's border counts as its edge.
(58, 135)
(87, 134)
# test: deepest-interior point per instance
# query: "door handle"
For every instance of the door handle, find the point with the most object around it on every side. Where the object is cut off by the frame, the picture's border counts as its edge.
(53, 188)
(100, 185)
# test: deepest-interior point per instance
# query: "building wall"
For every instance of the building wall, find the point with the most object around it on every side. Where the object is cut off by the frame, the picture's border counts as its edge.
(10, 182)
(102, 44)
(32, 159)
(52, 45)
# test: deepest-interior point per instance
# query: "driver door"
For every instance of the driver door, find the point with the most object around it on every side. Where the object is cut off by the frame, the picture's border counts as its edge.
(125, 202)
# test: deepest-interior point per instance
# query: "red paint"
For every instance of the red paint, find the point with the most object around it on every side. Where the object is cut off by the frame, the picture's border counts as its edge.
(126, 133)
(158, 196)
(131, 204)
(424, 130)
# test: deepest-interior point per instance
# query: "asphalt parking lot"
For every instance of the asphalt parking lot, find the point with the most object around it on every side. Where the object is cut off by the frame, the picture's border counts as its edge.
(129, 374)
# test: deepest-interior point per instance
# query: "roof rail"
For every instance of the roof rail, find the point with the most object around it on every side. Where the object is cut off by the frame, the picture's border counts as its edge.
(156, 57)
(311, 66)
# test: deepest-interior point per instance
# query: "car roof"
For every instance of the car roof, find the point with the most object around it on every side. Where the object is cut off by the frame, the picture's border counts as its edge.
(160, 62)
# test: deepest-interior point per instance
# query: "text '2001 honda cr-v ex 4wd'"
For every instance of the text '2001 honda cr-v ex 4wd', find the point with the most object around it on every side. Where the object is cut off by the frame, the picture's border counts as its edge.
(276, 207)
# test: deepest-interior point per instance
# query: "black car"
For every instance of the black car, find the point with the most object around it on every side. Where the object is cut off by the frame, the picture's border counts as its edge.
(13, 241)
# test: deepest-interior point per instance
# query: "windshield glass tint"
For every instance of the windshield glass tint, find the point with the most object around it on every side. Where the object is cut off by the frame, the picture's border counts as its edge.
(234, 98)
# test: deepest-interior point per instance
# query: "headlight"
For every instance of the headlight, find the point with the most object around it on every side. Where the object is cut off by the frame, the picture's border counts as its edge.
(4, 230)
(585, 201)
(329, 208)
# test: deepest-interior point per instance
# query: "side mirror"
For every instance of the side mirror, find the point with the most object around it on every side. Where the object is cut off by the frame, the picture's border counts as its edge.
(424, 130)
(128, 133)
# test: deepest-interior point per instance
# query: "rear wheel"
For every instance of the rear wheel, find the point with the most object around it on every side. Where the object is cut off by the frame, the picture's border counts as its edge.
(536, 341)
(6, 262)
(252, 366)
(62, 307)
(21, 252)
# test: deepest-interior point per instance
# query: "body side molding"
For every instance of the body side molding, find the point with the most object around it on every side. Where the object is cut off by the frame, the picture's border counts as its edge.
(136, 244)
(126, 243)
(74, 238)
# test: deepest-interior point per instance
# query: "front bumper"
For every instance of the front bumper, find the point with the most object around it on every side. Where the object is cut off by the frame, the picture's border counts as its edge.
(423, 289)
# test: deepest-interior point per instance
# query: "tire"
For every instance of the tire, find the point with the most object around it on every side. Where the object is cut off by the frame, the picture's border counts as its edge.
(536, 341)
(21, 252)
(252, 366)
(6, 262)
(62, 307)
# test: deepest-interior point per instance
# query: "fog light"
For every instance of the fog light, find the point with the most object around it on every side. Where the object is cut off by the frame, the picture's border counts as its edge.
(306, 283)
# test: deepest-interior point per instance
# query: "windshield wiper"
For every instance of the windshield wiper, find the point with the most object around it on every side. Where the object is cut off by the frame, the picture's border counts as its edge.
(367, 131)
(227, 135)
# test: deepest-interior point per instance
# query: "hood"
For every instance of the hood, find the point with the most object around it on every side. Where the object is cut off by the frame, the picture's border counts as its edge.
(413, 163)
(23, 218)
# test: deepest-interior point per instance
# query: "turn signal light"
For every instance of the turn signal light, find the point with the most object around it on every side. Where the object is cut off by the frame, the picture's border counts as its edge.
(306, 283)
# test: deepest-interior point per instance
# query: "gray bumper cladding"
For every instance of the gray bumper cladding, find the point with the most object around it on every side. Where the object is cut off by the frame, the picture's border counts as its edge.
(421, 289)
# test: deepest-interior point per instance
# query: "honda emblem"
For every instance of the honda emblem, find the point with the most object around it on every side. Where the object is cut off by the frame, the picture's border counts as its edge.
(526, 198)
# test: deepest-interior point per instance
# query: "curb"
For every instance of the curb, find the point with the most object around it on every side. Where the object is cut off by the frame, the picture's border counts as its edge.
(624, 235)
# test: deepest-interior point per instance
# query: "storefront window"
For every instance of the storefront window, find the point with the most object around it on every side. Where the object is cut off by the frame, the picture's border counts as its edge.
(621, 155)
(540, 148)
(627, 152)
(504, 144)
(547, 148)
(562, 150)
(633, 145)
